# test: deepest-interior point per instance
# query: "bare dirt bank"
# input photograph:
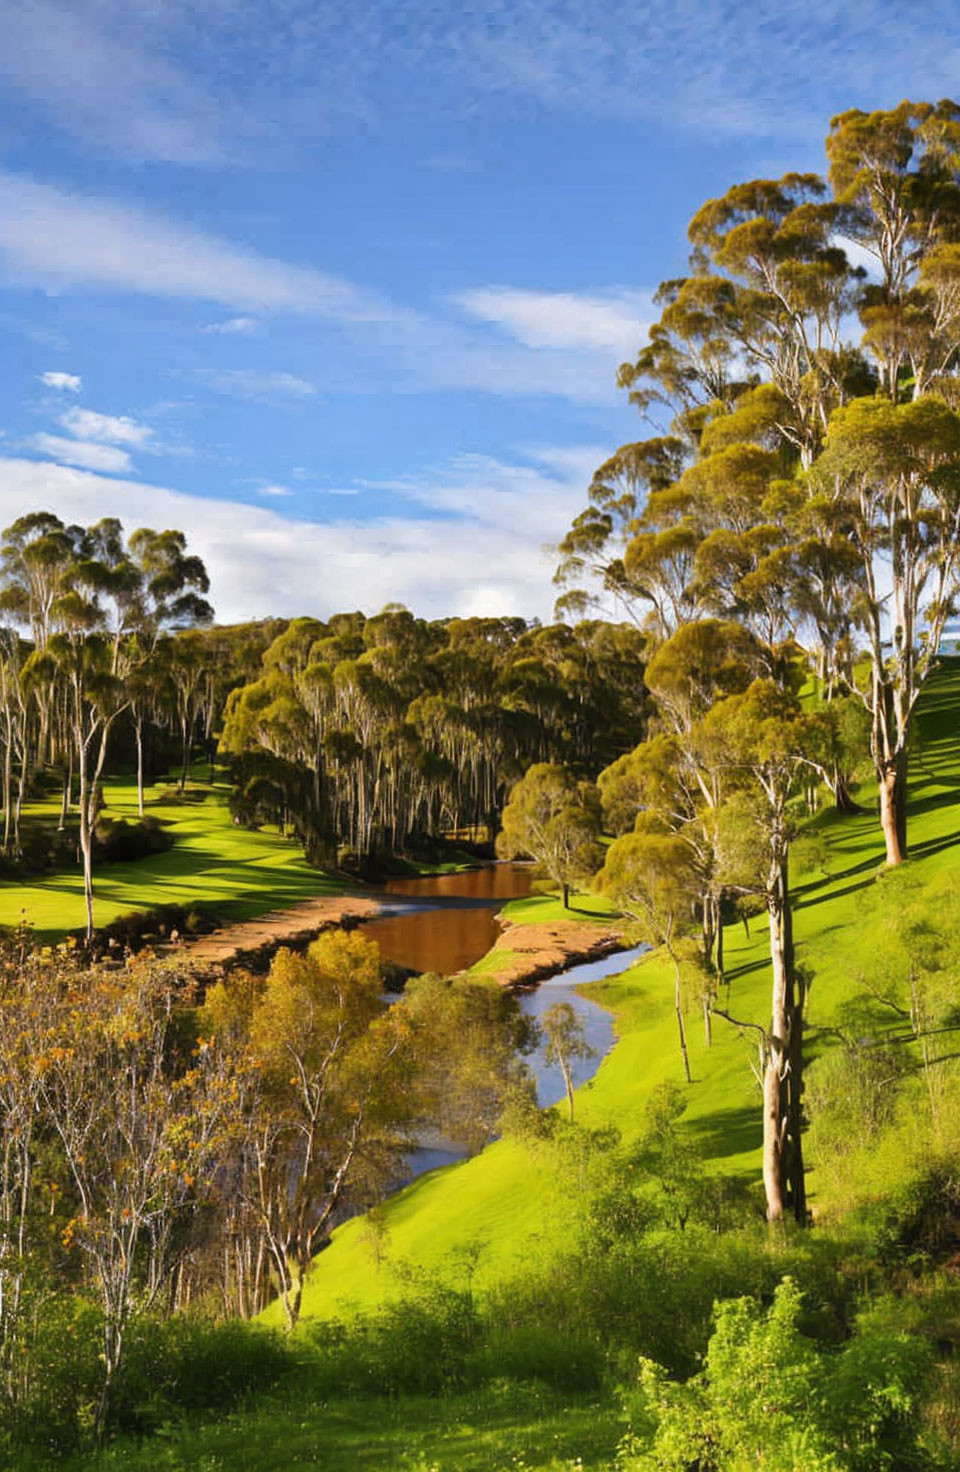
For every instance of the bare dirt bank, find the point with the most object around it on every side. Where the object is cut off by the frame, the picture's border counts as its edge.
(526, 954)
(250, 941)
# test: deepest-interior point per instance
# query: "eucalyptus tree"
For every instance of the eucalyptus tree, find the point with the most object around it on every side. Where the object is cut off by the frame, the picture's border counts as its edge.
(566, 1041)
(651, 875)
(94, 606)
(782, 495)
(554, 818)
(890, 473)
(767, 746)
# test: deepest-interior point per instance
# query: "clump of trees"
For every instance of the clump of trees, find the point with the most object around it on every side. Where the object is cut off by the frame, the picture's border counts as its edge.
(160, 1148)
(367, 733)
(794, 522)
(90, 615)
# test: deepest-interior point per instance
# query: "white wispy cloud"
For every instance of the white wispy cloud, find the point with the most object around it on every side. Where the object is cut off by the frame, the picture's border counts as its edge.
(78, 452)
(537, 499)
(64, 382)
(478, 547)
(52, 236)
(253, 383)
(107, 429)
(86, 68)
(191, 84)
(512, 341)
(615, 321)
(233, 326)
(274, 491)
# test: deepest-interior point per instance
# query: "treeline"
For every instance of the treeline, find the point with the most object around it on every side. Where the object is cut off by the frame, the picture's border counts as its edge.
(89, 641)
(359, 735)
(165, 1145)
(366, 734)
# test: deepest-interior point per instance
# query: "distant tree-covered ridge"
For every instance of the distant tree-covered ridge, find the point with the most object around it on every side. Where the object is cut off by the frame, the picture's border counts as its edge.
(366, 732)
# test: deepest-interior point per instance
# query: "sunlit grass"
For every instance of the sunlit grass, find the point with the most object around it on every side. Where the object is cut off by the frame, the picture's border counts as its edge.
(232, 871)
(523, 1429)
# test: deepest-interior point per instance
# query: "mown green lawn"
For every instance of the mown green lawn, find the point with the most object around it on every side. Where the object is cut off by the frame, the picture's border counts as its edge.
(233, 871)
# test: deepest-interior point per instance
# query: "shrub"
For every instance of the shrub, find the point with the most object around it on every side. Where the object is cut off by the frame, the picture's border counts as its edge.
(120, 842)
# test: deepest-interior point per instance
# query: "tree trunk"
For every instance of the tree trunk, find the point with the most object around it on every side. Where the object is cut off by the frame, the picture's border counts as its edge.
(892, 782)
(842, 799)
(138, 727)
(783, 1172)
(185, 731)
(66, 794)
(719, 957)
(678, 1008)
(567, 1082)
(7, 789)
(566, 896)
(86, 834)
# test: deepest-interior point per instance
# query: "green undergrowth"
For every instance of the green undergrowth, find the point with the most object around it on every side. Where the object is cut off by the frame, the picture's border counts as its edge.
(509, 1427)
(234, 872)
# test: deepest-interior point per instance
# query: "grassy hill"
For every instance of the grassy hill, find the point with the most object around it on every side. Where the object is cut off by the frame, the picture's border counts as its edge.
(504, 1205)
(507, 1229)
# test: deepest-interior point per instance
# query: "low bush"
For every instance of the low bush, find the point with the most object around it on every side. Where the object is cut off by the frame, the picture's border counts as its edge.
(117, 841)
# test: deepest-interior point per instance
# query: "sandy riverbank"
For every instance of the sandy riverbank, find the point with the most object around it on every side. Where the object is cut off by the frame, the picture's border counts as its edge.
(250, 941)
(526, 954)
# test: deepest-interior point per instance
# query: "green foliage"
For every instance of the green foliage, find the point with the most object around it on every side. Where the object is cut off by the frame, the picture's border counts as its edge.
(554, 818)
(768, 1398)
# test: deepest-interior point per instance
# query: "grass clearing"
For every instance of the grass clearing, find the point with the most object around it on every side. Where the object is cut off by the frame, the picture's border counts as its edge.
(520, 1428)
(237, 872)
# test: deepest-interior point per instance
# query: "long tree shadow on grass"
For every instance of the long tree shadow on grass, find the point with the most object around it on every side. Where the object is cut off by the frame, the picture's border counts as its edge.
(726, 1132)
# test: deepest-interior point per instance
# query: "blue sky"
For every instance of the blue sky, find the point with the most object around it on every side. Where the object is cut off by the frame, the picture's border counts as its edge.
(341, 289)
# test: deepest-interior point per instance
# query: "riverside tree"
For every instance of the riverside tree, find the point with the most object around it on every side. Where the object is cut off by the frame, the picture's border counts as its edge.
(554, 818)
(566, 1041)
(651, 875)
(330, 1096)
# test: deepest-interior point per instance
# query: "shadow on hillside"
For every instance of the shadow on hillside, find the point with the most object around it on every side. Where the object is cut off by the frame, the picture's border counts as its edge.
(727, 1132)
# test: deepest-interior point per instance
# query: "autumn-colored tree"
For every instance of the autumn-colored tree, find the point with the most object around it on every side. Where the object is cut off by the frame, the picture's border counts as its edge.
(141, 1130)
(333, 1103)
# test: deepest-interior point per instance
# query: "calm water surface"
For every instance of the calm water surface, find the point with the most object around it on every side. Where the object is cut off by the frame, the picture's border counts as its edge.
(457, 923)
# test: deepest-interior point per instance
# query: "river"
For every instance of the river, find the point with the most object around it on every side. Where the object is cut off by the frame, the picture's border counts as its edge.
(446, 922)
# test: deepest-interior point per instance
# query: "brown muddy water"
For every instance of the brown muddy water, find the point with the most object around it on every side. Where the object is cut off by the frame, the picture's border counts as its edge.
(458, 922)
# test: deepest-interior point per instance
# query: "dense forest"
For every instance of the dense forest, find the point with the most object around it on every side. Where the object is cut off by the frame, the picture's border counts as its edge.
(754, 1262)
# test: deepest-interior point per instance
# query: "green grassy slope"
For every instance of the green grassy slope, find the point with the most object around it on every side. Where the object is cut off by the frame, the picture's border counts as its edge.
(237, 872)
(507, 1209)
